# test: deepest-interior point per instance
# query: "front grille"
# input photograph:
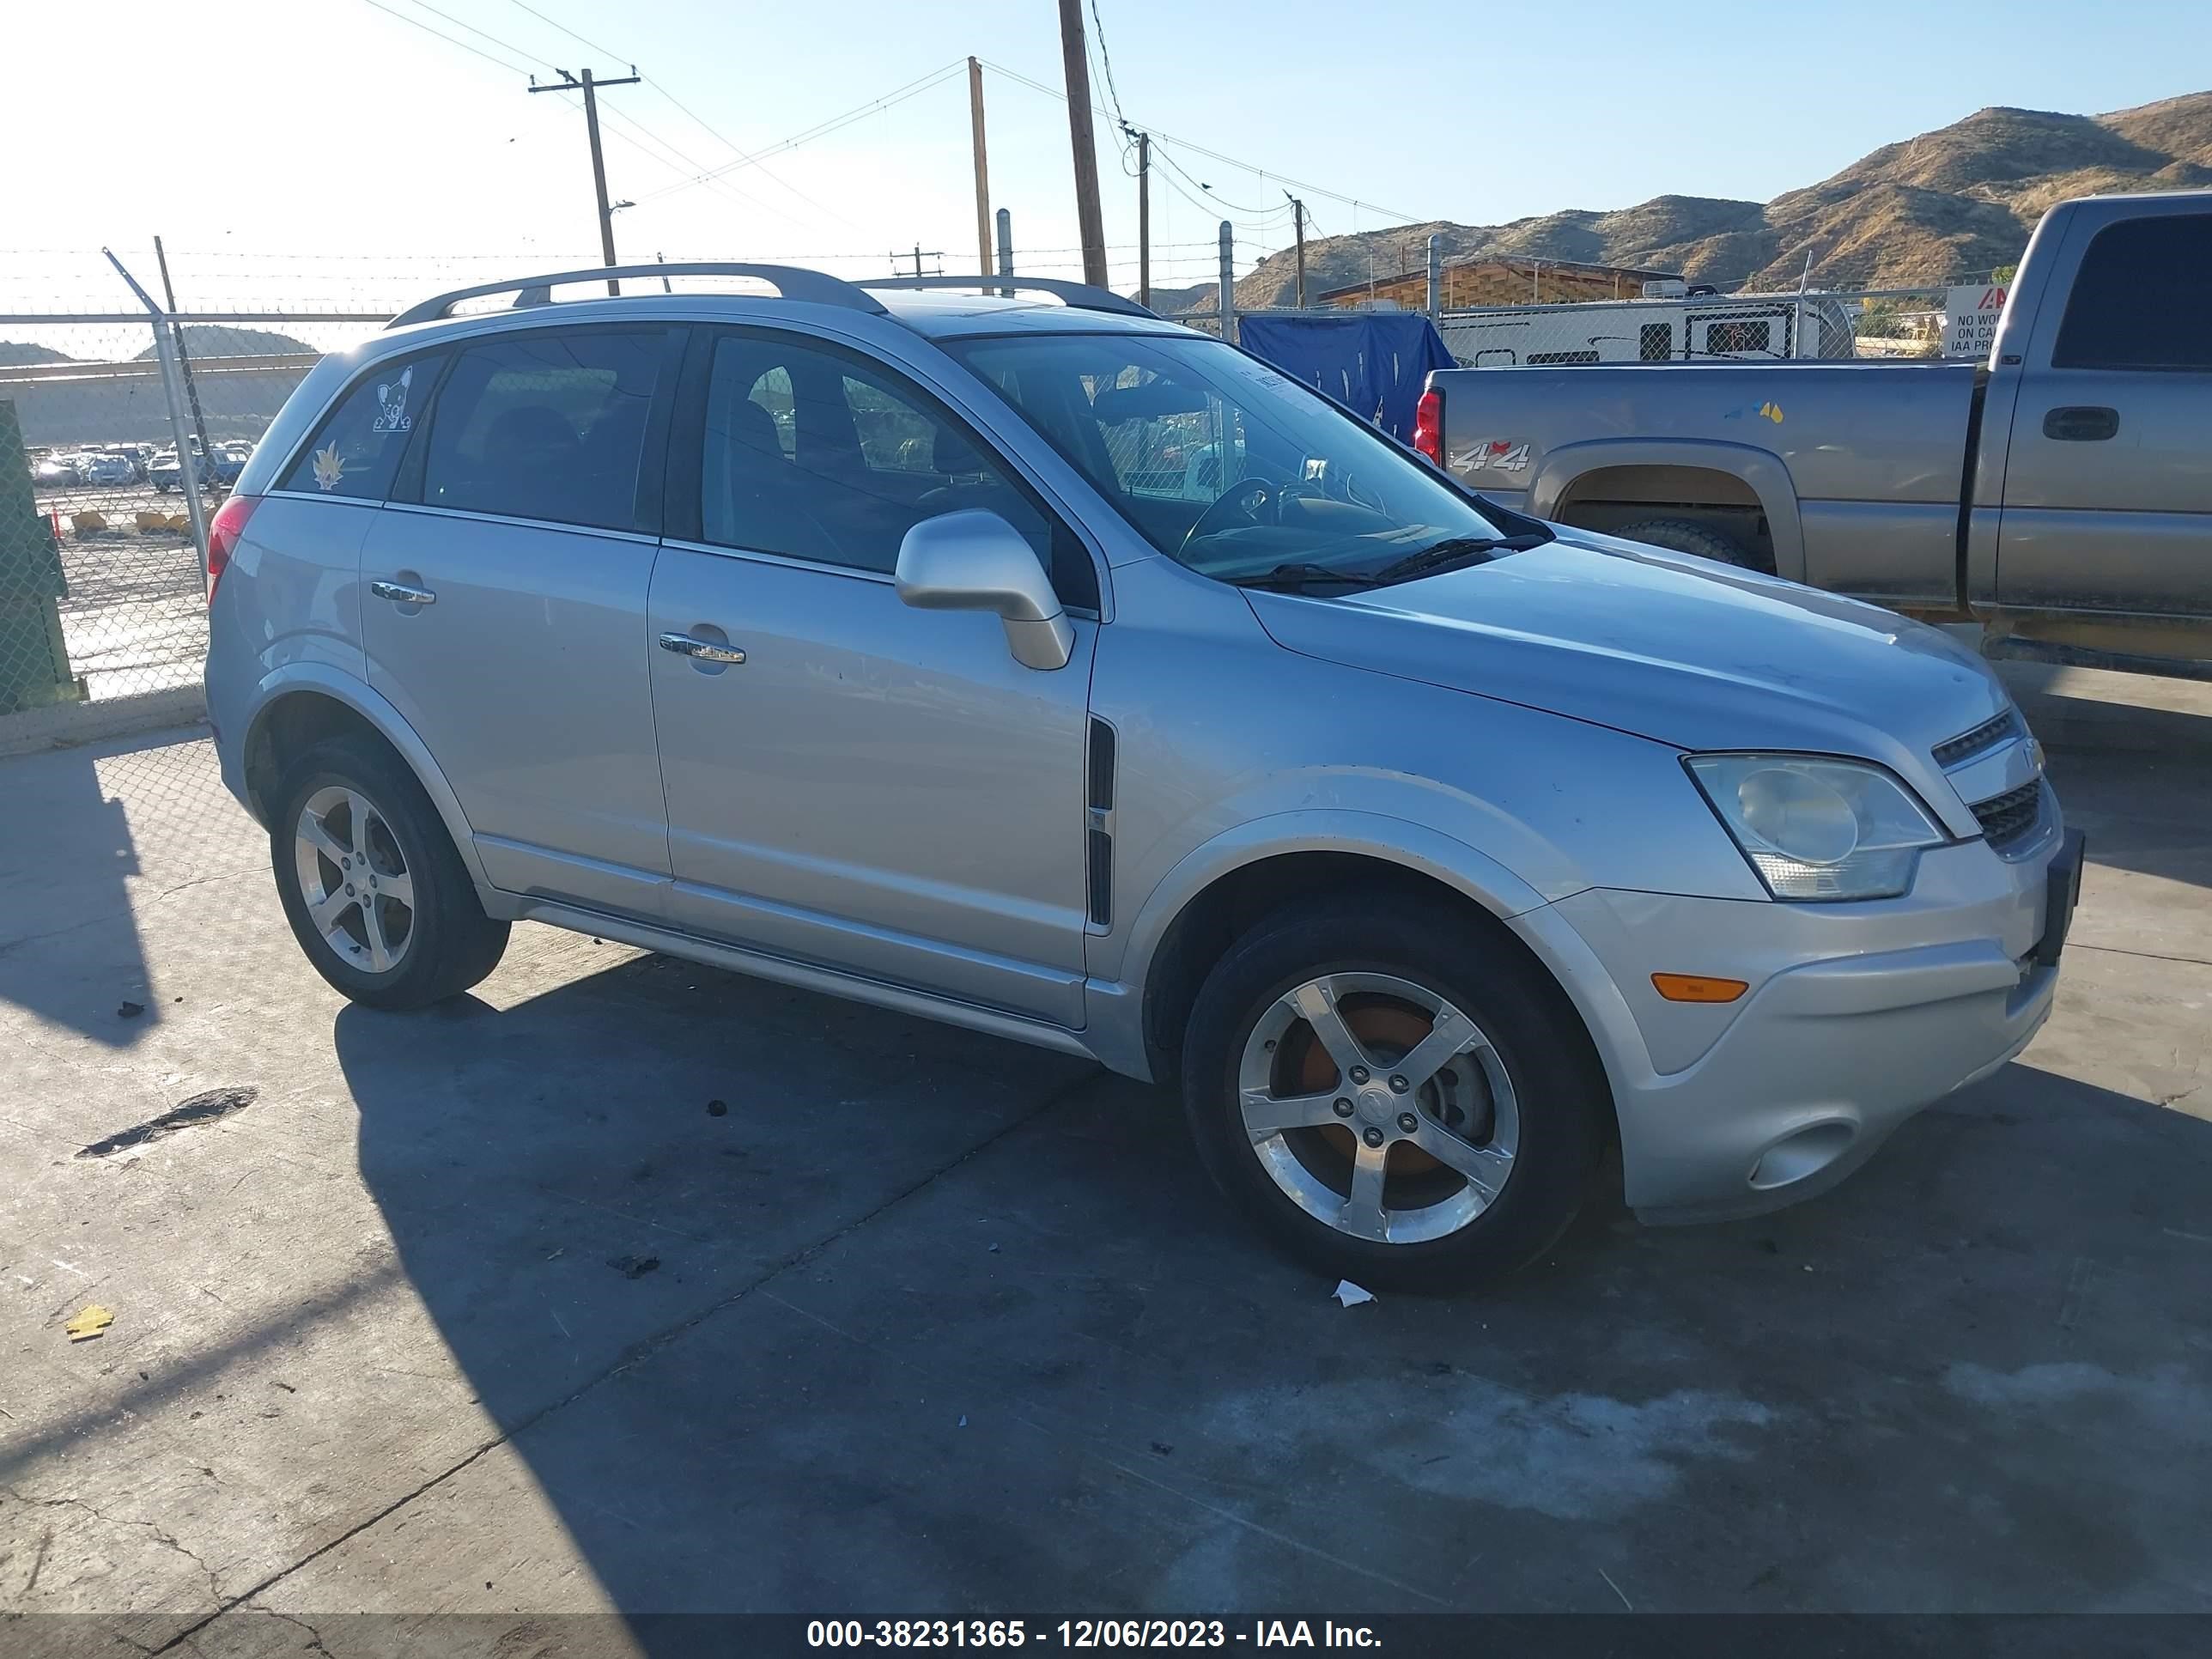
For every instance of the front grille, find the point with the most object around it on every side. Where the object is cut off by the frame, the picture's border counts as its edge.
(2009, 818)
(1968, 744)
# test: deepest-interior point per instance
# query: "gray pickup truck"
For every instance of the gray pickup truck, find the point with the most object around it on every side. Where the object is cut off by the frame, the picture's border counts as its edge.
(2060, 494)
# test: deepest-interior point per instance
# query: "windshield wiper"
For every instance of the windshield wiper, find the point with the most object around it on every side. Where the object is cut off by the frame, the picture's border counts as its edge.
(1457, 550)
(1291, 577)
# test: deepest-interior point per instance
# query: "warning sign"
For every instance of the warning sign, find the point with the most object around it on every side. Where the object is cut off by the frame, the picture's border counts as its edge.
(1970, 320)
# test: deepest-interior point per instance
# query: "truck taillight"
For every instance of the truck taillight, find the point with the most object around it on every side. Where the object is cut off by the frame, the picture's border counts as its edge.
(224, 531)
(1429, 425)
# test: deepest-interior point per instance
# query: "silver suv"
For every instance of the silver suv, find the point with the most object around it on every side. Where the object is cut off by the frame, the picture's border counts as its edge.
(1037, 665)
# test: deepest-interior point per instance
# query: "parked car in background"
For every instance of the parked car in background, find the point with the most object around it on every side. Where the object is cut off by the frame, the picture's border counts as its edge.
(2058, 494)
(55, 471)
(134, 456)
(100, 467)
(218, 469)
(1431, 850)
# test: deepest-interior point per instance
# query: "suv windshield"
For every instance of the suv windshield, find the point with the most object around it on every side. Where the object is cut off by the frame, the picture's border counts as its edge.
(1231, 468)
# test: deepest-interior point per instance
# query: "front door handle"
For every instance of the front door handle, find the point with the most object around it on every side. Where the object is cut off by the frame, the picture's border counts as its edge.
(700, 650)
(2085, 423)
(401, 593)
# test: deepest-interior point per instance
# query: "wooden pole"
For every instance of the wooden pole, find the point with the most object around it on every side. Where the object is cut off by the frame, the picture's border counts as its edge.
(982, 167)
(1075, 63)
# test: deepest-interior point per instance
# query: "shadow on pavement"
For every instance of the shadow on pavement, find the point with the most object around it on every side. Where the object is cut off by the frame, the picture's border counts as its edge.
(923, 1324)
(67, 856)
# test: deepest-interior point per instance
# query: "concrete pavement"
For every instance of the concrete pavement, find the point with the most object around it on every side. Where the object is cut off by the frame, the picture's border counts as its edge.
(487, 1310)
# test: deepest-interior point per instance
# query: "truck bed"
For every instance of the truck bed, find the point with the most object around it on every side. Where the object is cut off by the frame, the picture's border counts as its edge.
(1871, 456)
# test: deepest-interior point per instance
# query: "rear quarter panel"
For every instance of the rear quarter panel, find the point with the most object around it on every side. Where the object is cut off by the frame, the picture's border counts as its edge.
(1871, 455)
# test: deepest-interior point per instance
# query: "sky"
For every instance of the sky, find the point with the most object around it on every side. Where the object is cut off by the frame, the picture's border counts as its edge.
(339, 152)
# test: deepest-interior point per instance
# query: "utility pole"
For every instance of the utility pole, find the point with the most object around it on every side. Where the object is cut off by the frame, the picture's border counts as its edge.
(588, 86)
(1076, 64)
(1227, 302)
(983, 168)
(1298, 220)
(1144, 218)
(184, 358)
(918, 255)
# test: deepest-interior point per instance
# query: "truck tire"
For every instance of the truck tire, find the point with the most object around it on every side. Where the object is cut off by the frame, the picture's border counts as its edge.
(1686, 535)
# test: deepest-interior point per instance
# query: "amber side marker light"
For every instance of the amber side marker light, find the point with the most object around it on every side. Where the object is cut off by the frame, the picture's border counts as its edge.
(1697, 987)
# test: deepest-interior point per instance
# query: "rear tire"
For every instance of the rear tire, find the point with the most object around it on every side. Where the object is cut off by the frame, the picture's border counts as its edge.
(1505, 1136)
(375, 892)
(1686, 535)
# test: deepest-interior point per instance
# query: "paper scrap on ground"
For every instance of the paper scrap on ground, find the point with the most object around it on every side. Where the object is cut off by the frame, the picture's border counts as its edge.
(1350, 1295)
(89, 1323)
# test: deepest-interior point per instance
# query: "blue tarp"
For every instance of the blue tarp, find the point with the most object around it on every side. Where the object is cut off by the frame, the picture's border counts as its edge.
(1374, 362)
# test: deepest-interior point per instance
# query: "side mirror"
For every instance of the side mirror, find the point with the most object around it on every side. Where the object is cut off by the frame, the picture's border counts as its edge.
(976, 561)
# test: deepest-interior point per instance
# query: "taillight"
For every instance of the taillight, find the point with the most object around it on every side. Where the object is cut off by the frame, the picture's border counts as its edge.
(1429, 425)
(224, 531)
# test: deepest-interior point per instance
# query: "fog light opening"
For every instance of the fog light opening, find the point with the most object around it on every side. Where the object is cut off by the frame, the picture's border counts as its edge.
(1807, 1152)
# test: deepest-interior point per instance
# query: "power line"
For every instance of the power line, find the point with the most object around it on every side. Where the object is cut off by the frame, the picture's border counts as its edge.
(1258, 213)
(485, 34)
(821, 130)
(748, 158)
(477, 51)
(1216, 155)
(604, 52)
(1106, 62)
(696, 119)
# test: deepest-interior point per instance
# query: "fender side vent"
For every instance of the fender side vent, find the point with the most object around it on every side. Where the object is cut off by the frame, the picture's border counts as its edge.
(1098, 839)
(1102, 766)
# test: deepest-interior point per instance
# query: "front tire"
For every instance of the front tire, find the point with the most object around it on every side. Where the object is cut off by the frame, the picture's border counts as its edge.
(1394, 1100)
(1687, 536)
(376, 895)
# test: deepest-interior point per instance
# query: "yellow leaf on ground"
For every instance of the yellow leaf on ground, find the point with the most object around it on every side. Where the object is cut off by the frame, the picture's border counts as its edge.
(89, 1323)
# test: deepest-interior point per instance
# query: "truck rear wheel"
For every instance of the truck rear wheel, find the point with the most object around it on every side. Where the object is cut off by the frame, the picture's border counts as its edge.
(1687, 536)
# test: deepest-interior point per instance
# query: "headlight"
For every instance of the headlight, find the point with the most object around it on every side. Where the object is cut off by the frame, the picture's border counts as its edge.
(1819, 828)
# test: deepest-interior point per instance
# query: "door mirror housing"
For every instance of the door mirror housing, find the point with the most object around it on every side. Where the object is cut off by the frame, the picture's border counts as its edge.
(973, 560)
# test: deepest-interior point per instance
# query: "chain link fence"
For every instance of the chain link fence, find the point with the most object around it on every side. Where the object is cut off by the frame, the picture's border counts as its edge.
(103, 619)
(1953, 321)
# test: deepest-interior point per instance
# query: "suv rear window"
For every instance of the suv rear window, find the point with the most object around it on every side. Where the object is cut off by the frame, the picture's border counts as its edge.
(546, 425)
(358, 449)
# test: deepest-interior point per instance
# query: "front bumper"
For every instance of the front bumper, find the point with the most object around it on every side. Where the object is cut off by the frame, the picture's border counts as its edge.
(1859, 1016)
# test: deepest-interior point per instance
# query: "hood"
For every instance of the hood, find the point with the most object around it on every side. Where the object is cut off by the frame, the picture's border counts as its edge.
(1666, 646)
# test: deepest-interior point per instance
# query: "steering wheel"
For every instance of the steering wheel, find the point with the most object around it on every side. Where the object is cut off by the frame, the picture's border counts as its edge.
(1243, 502)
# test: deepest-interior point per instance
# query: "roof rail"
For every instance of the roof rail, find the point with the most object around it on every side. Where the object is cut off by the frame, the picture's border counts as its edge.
(1080, 295)
(790, 282)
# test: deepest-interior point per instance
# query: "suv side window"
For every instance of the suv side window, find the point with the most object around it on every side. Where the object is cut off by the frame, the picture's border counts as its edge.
(357, 451)
(813, 454)
(2141, 299)
(546, 425)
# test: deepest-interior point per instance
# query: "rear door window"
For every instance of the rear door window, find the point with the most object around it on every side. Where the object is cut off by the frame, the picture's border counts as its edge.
(546, 425)
(2142, 298)
(357, 451)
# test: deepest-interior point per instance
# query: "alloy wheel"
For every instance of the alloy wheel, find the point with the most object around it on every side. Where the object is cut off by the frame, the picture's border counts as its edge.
(358, 891)
(1378, 1107)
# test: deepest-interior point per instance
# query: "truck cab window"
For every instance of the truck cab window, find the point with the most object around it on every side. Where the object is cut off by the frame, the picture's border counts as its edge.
(2143, 298)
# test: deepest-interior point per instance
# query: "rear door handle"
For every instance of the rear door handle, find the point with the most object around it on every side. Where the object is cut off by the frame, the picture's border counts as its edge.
(700, 650)
(401, 593)
(2084, 423)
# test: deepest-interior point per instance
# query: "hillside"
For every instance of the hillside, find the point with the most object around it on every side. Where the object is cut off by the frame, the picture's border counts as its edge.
(131, 408)
(1951, 202)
